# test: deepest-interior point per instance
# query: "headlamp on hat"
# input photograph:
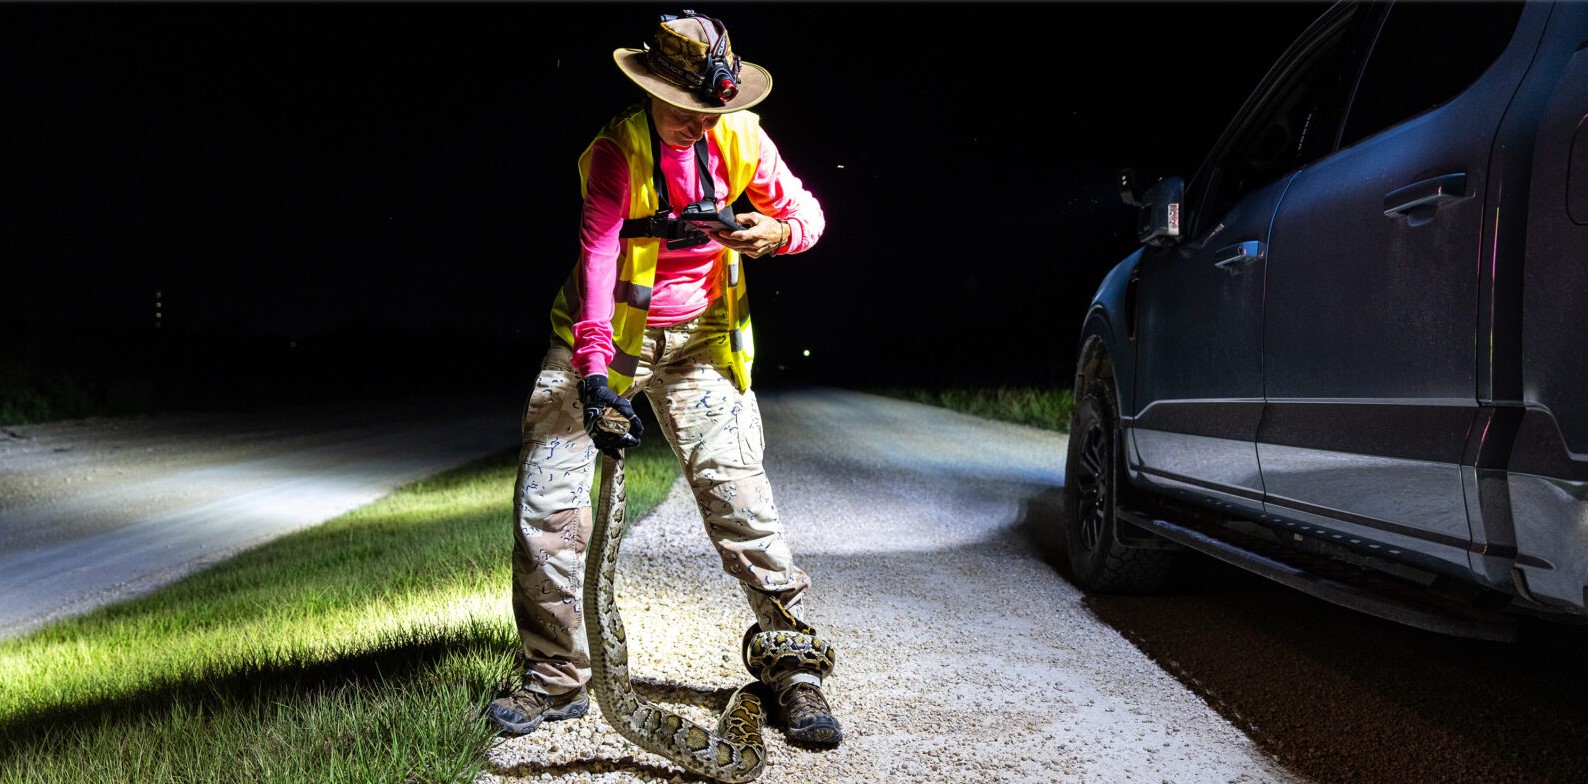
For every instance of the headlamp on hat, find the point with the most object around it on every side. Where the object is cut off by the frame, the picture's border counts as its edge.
(721, 84)
(691, 64)
(718, 76)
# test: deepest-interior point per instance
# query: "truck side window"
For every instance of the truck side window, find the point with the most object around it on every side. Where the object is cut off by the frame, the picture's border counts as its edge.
(1295, 118)
(1426, 54)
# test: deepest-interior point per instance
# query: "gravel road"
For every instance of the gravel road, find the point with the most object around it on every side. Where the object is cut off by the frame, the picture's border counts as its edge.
(963, 655)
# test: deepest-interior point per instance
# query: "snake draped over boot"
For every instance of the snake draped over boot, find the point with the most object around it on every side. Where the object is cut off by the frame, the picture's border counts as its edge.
(773, 656)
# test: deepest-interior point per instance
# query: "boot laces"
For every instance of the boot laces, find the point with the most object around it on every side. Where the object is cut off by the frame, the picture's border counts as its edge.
(803, 699)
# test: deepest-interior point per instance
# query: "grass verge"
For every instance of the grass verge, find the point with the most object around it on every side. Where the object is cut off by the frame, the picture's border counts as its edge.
(1044, 408)
(360, 650)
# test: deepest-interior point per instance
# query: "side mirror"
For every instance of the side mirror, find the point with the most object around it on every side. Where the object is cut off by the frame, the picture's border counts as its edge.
(1158, 208)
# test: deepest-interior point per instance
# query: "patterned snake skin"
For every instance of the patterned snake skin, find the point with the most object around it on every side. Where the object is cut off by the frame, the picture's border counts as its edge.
(734, 750)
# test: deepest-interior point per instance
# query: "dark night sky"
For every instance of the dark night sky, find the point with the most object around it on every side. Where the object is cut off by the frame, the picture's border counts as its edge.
(304, 173)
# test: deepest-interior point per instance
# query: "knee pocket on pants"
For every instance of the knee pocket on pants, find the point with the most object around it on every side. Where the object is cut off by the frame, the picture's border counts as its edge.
(752, 445)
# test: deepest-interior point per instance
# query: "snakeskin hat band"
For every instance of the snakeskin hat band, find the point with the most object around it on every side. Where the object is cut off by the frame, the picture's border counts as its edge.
(691, 65)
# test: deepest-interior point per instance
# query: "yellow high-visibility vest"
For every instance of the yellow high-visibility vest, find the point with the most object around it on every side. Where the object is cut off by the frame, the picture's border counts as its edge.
(738, 142)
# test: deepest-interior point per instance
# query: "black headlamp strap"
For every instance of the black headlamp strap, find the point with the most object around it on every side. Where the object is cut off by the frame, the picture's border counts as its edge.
(719, 50)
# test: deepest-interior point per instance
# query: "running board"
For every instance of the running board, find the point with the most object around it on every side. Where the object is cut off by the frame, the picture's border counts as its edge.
(1382, 596)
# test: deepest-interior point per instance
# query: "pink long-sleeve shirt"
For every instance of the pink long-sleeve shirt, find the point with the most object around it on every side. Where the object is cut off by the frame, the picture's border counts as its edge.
(686, 279)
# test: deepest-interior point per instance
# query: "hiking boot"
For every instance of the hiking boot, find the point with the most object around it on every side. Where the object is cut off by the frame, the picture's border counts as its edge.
(520, 712)
(806, 718)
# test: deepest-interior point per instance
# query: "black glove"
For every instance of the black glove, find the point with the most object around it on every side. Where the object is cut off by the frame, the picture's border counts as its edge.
(609, 419)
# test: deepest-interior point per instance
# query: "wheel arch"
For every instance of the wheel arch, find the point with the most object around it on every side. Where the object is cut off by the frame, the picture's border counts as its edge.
(1106, 349)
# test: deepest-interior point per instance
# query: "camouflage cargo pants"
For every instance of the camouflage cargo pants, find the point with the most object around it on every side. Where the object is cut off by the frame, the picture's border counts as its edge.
(717, 432)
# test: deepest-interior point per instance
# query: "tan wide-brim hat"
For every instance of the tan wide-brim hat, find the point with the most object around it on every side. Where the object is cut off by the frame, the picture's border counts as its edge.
(678, 67)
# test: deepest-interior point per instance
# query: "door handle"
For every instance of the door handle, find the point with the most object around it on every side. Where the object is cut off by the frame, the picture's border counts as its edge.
(1235, 258)
(1425, 197)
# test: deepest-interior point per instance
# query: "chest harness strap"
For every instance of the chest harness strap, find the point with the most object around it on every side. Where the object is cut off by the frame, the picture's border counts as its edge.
(677, 233)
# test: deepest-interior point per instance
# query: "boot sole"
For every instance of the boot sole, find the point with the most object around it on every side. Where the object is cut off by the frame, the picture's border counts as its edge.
(514, 723)
(817, 733)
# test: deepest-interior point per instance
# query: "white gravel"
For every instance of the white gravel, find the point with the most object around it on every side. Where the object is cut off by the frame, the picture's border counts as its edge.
(962, 655)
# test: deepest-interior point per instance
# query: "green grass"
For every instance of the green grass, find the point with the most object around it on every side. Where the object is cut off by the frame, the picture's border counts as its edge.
(30, 396)
(360, 650)
(1044, 408)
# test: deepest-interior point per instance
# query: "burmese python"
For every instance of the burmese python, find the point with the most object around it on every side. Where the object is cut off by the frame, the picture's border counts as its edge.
(734, 750)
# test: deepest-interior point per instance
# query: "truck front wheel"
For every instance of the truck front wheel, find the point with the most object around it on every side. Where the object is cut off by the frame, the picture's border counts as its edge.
(1098, 560)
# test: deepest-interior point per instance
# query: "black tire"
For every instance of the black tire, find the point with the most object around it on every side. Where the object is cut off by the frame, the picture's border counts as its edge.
(1093, 473)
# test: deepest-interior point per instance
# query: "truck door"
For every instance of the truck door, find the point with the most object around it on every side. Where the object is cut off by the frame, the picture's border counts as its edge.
(1374, 285)
(1199, 374)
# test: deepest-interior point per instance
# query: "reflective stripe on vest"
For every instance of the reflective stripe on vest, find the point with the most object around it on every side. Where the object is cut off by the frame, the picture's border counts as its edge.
(738, 142)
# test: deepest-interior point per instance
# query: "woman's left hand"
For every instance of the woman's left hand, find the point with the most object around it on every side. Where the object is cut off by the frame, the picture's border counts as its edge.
(762, 237)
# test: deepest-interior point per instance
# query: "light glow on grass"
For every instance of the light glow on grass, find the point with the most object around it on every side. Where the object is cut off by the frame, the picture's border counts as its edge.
(358, 650)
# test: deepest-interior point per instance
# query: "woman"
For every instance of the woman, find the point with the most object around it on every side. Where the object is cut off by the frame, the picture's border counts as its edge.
(657, 305)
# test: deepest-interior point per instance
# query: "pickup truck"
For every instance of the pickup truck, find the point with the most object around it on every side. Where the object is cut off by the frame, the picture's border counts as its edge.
(1350, 352)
